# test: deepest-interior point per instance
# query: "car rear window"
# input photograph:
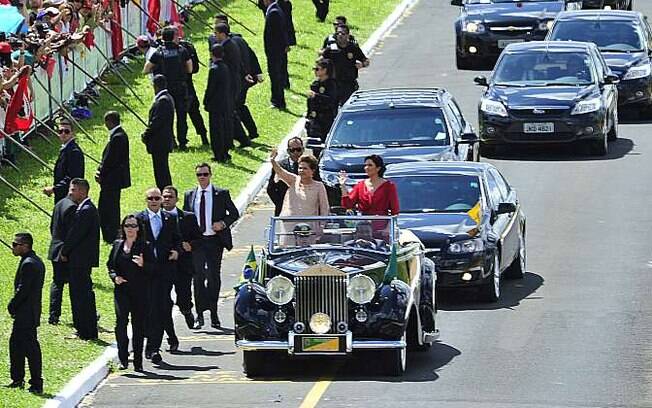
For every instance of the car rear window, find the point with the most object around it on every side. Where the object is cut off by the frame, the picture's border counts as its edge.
(392, 127)
(614, 36)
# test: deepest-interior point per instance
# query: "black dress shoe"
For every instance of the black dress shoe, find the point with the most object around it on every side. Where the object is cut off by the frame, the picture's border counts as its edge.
(35, 389)
(17, 384)
(156, 358)
(124, 365)
(138, 368)
(148, 355)
(53, 322)
(216, 324)
(174, 346)
(199, 323)
(190, 319)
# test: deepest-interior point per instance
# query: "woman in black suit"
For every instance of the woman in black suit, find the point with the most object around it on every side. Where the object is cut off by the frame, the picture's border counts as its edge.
(129, 266)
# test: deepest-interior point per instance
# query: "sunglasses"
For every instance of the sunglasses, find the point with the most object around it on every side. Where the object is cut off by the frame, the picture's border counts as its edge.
(64, 131)
(154, 198)
(131, 225)
(295, 149)
(15, 244)
(203, 174)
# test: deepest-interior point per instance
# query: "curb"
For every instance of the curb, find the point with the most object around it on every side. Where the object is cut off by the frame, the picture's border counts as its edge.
(91, 376)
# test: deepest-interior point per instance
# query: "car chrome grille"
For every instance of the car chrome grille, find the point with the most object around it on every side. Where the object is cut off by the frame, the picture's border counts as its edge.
(325, 294)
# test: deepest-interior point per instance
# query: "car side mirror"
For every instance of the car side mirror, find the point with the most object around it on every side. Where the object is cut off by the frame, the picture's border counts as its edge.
(314, 142)
(481, 80)
(468, 138)
(506, 208)
(611, 79)
(456, 2)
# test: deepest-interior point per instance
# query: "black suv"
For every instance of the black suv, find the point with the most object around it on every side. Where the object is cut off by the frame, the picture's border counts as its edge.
(612, 4)
(401, 125)
(625, 41)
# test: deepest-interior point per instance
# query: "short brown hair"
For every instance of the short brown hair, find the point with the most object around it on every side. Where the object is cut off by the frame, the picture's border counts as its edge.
(200, 165)
(310, 160)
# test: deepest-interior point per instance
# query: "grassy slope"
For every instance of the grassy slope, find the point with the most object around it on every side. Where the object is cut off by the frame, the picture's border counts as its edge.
(64, 358)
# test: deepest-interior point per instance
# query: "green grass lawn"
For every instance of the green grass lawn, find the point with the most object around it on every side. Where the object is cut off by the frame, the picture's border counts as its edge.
(62, 358)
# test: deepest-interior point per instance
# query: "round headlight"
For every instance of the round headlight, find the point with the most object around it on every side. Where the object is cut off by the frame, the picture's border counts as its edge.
(320, 323)
(361, 289)
(280, 290)
(472, 27)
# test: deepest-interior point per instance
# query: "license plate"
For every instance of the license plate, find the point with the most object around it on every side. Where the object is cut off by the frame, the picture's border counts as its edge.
(505, 43)
(320, 344)
(547, 127)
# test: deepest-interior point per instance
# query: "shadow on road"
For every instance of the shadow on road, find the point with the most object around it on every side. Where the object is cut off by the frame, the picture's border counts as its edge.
(512, 292)
(199, 351)
(618, 149)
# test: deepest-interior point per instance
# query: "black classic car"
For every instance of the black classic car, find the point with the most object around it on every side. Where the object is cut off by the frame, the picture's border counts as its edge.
(485, 27)
(549, 92)
(402, 124)
(610, 4)
(331, 286)
(469, 219)
(625, 41)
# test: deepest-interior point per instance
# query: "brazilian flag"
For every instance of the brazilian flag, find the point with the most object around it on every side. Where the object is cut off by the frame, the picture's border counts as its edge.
(249, 269)
(391, 272)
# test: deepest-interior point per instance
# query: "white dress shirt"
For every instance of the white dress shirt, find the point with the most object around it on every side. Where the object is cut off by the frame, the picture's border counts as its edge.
(208, 196)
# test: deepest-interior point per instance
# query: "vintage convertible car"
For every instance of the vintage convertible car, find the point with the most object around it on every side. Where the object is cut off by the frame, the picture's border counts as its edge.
(330, 286)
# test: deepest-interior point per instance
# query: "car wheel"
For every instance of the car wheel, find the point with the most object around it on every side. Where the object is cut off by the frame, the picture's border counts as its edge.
(413, 336)
(490, 291)
(395, 361)
(254, 363)
(599, 147)
(487, 150)
(613, 133)
(518, 267)
(464, 63)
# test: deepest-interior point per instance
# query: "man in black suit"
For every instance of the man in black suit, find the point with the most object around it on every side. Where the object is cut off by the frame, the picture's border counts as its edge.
(276, 48)
(70, 163)
(25, 309)
(219, 103)
(188, 229)
(286, 7)
(81, 253)
(161, 230)
(215, 214)
(113, 175)
(159, 137)
(276, 189)
(62, 218)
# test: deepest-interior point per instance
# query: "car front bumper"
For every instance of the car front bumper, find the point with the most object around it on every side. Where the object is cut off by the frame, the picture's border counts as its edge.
(568, 128)
(486, 44)
(635, 91)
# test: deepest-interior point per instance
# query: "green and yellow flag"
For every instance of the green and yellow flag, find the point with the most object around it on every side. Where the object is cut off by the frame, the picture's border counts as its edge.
(249, 268)
(391, 272)
(475, 212)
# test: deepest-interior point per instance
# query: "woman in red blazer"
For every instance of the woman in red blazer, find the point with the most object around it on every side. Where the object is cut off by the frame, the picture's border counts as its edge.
(374, 195)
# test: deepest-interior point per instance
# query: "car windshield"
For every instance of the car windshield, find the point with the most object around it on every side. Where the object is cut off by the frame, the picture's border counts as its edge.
(543, 68)
(613, 36)
(441, 193)
(297, 233)
(507, 1)
(390, 128)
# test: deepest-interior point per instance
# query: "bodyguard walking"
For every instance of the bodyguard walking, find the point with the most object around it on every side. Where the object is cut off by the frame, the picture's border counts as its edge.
(25, 308)
(219, 103)
(193, 101)
(159, 136)
(113, 175)
(347, 58)
(215, 214)
(322, 102)
(276, 48)
(81, 253)
(70, 163)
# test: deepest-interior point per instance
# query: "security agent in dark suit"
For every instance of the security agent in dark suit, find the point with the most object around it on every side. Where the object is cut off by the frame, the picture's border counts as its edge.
(161, 230)
(253, 75)
(62, 219)
(81, 253)
(216, 213)
(321, 9)
(193, 100)
(276, 189)
(276, 48)
(191, 238)
(70, 163)
(159, 137)
(113, 175)
(286, 6)
(25, 308)
(347, 59)
(219, 103)
(173, 62)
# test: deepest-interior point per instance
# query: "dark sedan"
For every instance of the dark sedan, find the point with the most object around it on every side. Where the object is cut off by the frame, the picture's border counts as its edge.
(549, 92)
(625, 41)
(485, 27)
(611, 4)
(468, 218)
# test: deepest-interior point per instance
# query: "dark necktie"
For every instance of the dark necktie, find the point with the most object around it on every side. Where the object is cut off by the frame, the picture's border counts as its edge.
(202, 212)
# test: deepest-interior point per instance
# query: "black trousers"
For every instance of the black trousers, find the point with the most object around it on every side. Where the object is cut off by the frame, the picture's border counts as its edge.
(182, 281)
(23, 344)
(277, 79)
(130, 301)
(321, 7)
(162, 175)
(82, 301)
(195, 114)
(286, 74)
(207, 278)
(159, 314)
(245, 114)
(108, 208)
(221, 131)
(60, 277)
(179, 93)
(345, 89)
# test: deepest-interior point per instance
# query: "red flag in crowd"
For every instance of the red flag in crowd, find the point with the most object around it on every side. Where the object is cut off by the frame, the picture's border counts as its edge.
(174, 18)
(89, 39)
(116, 32)
(154, 10)
(19, 112)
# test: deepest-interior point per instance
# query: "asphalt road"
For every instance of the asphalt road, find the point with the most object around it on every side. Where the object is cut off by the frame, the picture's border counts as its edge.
(575, 332)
